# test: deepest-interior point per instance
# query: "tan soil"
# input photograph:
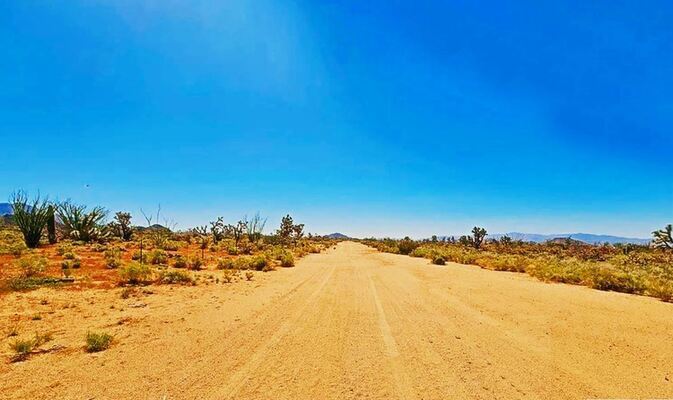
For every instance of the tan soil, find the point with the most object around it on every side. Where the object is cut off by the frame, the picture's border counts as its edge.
(348, 323)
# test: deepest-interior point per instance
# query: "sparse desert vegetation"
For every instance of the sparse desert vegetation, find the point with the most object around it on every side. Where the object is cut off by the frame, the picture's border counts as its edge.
(85, 250)
(628, 268)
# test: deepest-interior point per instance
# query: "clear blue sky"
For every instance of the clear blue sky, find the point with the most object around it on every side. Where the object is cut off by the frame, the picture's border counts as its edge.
(365, 117)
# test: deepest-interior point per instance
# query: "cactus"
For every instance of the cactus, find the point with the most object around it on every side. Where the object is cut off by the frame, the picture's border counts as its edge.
(51, 225)
(30, 218)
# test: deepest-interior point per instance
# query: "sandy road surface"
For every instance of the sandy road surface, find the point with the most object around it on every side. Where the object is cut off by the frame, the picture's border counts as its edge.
(354, 323)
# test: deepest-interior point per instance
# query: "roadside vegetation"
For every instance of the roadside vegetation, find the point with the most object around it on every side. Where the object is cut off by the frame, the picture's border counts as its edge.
(61, 243)
(627, 268)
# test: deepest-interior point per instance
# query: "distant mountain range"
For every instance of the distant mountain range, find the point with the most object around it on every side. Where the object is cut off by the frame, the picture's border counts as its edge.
(337, 235)
(5, 209)
(582, 237)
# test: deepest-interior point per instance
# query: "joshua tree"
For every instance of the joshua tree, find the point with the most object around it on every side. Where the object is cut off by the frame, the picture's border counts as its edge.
(477, 238)
(202, 232)
(506, 240)
(122, 225)
(663, 238)
(217, 229)
(236, 231)
(30, 218)
(289, 231)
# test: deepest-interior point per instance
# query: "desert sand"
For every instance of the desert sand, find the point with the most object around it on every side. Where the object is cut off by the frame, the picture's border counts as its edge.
(350, 323)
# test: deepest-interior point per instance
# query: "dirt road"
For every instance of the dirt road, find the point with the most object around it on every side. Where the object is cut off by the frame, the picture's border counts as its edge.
(353, 323)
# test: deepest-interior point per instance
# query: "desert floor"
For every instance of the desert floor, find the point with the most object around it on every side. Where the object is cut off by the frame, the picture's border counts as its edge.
(347, 323)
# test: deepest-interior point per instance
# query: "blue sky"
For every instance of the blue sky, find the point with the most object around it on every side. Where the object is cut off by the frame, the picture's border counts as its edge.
(369, 118)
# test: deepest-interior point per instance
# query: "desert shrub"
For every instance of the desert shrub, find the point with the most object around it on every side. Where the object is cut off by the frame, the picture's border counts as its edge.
(113, 258)
(226, 263)
(63, 248)
(69, 256)
(249, 275)
(195, 263)
(24, 347)
(172, 277)
(171, 245)
(406, 246)
(99, 247)
(15, 249)
(232, 251)
(158, 257)
(180, 262)
(258, 263)
(610, 279)
(32, 266)
(139, 256)
(80, 224)
(27, 283)
(286, 260)
(229, 275)
(662, 289)
(243, 263)
(98, 341)
(71, 264)
(439, 260)
(135, 273)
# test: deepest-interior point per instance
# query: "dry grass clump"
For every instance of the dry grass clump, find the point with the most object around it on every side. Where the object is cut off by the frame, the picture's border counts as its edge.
(23, 348)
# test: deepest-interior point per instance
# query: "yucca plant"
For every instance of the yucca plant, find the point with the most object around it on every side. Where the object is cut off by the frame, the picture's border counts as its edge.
(30, 217)
(80, 224)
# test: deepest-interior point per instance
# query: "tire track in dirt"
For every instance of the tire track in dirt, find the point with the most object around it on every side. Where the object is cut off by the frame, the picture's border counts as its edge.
(401, 378)
(243, 373)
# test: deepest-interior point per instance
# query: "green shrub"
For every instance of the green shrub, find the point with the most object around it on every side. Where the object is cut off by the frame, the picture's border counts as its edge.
(439, 260)
(196, 263)
(287, 260)
(406, 246)
(158, 257)
(232, 251)
(71, 264)
(137, 255)
(99, 247)
(113, 258)
(259, 263)
(243, 263)
(170, 277)
(96, 342)
(180, 262)
(69, 256)
(170, 245)
(226, 263)
(32, 266)
(229, 275)
(63, 248)
(135, 273)
(24, 347)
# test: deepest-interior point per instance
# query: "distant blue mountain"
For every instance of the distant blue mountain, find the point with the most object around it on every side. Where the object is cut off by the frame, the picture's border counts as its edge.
(5, 209)
(582, 237)
(337, 235)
